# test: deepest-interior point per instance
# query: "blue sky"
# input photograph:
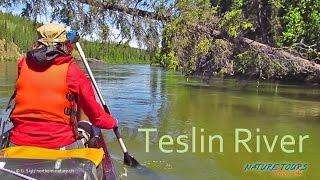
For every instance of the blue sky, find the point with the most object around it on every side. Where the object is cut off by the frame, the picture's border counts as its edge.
(14, 10)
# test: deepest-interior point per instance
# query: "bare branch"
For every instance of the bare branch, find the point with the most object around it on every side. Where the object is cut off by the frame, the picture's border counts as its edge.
(127, 10)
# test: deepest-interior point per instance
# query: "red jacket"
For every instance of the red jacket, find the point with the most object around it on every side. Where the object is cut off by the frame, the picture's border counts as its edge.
(50, 134)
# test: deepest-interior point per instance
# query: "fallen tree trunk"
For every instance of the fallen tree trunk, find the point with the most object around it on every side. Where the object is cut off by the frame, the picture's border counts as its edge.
(291, 64)
(303, 65)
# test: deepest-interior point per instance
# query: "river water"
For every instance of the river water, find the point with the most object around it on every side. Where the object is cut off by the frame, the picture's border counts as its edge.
(142, 96)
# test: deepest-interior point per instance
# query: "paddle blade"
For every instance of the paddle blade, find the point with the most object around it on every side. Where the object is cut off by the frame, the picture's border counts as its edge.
(130, 160)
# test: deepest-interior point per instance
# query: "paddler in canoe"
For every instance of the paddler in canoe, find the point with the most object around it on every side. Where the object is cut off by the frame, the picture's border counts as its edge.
(50, 90)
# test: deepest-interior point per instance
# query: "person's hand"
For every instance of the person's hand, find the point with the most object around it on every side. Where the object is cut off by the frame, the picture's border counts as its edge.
(116, 122)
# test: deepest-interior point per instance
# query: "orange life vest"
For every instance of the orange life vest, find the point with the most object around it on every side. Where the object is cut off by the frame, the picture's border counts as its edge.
(42, 95)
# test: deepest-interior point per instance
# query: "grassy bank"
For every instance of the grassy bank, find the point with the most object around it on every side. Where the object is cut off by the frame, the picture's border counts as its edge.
(18, 34)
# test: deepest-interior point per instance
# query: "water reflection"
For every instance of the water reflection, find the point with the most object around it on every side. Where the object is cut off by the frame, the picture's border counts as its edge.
(134, 93)
(8, 75)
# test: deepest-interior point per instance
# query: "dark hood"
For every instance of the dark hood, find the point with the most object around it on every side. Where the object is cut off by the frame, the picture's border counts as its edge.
(44, 57)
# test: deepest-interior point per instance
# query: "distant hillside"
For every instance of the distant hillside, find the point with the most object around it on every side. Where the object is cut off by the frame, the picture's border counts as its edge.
(114, 53)
(8, 51)
(17, 35)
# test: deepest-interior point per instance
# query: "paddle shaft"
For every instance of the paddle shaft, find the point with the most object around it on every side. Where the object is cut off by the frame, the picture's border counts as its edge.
(95, 85)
